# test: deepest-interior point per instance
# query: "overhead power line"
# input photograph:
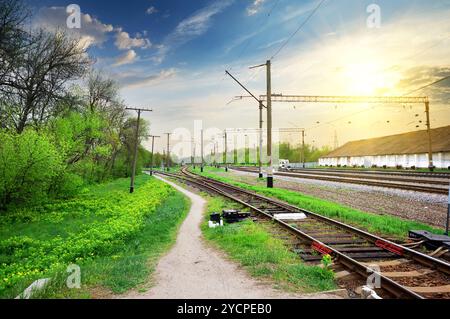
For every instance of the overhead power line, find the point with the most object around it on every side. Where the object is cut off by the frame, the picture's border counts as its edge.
(298, 29)
(428, 85)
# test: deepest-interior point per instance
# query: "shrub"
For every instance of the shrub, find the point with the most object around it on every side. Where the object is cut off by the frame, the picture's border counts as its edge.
(29, 162)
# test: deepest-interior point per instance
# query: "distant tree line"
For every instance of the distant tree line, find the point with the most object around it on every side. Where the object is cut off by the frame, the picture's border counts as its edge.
(293, 153)
(62, 124)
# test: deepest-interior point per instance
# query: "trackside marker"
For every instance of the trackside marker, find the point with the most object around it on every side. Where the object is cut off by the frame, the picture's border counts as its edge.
(321, 248)
(390, 247)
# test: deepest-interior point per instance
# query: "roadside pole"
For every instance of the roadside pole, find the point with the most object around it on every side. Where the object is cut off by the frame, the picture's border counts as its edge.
(136, 145)
(153, 153)
(225, 150)
(269, 126)
(168, 152)
(260, 139)
(448, 213)
(303, 149)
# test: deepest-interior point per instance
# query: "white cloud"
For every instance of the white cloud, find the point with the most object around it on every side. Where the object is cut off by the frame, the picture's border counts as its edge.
(125, 42)
(193, 26)
(255, 7)
(136, 81)
(127, 58)
(151, 10)
(92, 32)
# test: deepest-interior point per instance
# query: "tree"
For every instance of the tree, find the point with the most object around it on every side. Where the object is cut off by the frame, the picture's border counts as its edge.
(127, 138)
(28, 164)
(103, 97)
(33, 89)
(12, 15)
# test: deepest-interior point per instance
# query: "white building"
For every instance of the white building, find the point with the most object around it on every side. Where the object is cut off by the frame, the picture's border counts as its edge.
(406, 150)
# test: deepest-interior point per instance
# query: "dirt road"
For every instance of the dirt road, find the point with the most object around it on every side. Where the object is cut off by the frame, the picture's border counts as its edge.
(193, 270)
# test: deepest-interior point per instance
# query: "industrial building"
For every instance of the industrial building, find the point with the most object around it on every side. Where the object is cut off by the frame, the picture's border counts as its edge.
(407, 150)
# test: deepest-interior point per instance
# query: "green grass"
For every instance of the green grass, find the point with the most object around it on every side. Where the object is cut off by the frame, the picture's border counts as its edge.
(380, 224)
(115, 237)
(264, 256)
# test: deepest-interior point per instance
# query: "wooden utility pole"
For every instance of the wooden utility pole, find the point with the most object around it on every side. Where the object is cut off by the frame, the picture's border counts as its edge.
(136, 145)
(168, 151)
(153, 153)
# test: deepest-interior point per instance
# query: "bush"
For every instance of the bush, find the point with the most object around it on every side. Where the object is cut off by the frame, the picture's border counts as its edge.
(95, 223)
(29, 162)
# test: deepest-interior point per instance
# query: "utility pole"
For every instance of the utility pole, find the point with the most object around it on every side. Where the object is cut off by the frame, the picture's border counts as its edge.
(247, 150)
(225, 150)
(430, 149)
(269, 125)
(336, 142)
(260, 139)
(168, 151)
(216, 150)
(203, 161)
(136, 145)
(269, 122)
(195, 152)
(448, 213)
(153, 152)
(303, 149)
(235, 151)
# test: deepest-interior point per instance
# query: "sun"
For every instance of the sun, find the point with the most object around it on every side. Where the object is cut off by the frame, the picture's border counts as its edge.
(367, 78)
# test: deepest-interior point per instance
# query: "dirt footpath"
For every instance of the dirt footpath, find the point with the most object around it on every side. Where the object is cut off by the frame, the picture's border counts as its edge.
(192, 270)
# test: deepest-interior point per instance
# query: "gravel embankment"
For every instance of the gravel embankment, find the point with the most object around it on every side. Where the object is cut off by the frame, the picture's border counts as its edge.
(427, 208)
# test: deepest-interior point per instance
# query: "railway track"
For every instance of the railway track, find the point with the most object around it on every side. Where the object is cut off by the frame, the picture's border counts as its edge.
(418, 185)
(379, 172)
(402, 271)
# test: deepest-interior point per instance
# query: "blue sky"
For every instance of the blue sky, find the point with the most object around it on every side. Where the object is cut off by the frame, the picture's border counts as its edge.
(171, 56)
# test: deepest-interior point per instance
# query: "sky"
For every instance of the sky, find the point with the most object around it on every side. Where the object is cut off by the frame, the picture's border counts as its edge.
(171, 56)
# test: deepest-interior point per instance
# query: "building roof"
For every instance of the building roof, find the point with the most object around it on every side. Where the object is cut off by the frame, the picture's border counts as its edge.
(407, 143)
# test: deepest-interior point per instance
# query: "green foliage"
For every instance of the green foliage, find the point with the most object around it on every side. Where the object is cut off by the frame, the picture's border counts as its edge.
(36, 242)
(294, 153)
(327, 261)
(29, 162)
(132, 263)
(265, 256)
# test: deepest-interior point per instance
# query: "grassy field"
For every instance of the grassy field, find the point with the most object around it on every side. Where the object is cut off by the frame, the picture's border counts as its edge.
(115, 237)
(264, 256)
(385, 225)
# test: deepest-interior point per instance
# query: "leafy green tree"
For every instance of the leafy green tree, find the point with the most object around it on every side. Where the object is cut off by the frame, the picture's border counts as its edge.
(28, 164)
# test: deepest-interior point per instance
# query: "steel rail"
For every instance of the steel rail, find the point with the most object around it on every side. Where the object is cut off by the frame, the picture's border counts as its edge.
(409, 179)
(424, 259)
(386, 283)
(417, 188)
(378, 172)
